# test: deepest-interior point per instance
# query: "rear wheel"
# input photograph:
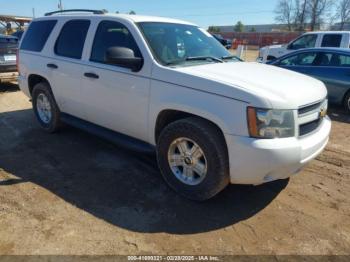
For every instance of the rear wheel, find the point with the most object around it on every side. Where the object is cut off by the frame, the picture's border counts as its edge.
(270, 58)
(45, 107)
(192, 157)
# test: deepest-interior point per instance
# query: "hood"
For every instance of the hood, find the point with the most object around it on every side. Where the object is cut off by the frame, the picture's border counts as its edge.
(255, 83)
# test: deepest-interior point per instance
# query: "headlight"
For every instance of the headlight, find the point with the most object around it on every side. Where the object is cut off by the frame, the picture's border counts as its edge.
(266, 123)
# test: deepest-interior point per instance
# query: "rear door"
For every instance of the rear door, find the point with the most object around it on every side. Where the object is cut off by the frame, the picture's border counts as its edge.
(66, 66)
(334, 70)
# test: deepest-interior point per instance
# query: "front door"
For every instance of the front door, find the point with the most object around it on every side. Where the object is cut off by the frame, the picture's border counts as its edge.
(115, 97)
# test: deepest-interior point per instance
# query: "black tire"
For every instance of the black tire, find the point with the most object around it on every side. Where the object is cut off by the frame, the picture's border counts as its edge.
(270, 58)
(54, 123)
(347, 102)
(213, 145)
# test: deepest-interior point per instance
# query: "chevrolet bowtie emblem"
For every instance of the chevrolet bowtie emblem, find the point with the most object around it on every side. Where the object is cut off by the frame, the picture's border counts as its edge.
(323, 112)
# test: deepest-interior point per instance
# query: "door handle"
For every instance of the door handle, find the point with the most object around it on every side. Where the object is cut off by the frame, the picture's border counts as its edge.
(53, 66)
(91, 75)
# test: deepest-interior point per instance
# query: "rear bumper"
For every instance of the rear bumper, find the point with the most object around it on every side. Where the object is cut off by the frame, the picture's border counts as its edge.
(257, 161)
(8, 68)
(8, 72)
(8, 76)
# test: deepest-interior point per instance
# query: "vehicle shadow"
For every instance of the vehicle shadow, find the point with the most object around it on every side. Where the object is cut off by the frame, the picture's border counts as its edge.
(337, 113)
(8, 87)
(121, 187)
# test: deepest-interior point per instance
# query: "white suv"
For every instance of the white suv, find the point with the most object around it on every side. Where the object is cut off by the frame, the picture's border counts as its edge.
(160, 84)
(321, 39)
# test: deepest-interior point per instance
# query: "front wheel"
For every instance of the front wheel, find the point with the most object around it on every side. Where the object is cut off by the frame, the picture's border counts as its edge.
(192, 157)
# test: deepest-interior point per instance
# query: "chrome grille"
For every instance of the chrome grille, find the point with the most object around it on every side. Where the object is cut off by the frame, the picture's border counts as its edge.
(310, 108)
(310, 117)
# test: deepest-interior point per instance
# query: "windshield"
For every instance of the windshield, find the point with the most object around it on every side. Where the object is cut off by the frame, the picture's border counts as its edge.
(183, 45)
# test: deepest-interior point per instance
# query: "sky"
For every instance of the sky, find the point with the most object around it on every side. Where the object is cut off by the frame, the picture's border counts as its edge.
(201, 12)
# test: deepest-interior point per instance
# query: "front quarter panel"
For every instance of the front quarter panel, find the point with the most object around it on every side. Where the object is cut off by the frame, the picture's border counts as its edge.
(228, 114)
(277, 52)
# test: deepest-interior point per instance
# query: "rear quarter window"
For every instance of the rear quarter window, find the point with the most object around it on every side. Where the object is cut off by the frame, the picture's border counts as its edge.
(37, 35)
(344, 60)
(70, 42)
(331, 40)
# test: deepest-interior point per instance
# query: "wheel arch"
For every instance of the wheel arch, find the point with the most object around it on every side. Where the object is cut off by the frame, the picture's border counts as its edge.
(35, 79)
(271, 57)
(168, 116)
(347, 93)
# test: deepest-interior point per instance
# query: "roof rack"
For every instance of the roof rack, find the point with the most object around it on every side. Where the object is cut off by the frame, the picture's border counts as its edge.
(95, 12)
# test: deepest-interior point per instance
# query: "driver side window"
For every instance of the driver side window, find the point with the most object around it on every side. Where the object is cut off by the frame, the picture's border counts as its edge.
(304, 59)
(112, 34)
(307, 41)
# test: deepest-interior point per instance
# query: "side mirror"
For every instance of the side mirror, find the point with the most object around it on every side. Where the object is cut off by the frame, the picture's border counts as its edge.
(124, 57)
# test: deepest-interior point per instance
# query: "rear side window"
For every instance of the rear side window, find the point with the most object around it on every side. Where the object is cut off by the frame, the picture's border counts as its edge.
(338, 60)
(70, 42)
(331, 40)
(344, 60)
(303, 59)
(37, 35)
(112, 34)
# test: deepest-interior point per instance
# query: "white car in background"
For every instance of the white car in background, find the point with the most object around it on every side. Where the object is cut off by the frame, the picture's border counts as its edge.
(309, 40)
(152, 83)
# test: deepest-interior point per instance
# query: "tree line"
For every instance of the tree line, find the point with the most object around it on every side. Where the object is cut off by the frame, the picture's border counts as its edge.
(299, 15)
(302, 15)
(239, 27)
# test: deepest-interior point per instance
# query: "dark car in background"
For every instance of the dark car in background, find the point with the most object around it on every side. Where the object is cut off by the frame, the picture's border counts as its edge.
(18, 34)
(330, 65)
(226, 43)
(8, 50)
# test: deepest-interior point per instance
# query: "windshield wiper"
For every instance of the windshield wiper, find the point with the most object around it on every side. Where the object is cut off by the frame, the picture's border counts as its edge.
(199, 58)
(194, 58)
(172, 63)
(231, 57)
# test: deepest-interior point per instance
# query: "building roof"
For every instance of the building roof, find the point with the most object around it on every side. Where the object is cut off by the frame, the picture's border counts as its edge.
(14, 18)
(337, 26)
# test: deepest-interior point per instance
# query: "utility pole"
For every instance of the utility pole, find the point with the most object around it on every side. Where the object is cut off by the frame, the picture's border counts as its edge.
(33, 10)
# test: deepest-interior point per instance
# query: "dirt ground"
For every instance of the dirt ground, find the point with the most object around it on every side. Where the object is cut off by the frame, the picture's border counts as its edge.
(72, 193)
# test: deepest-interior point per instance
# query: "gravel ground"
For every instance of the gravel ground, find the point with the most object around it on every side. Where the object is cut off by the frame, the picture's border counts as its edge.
(72, 193)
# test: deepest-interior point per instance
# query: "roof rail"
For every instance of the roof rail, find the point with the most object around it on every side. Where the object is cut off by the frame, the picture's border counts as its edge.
(95, 12)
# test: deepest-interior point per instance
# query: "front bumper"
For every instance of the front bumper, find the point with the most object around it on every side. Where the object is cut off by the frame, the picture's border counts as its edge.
(257, 161)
